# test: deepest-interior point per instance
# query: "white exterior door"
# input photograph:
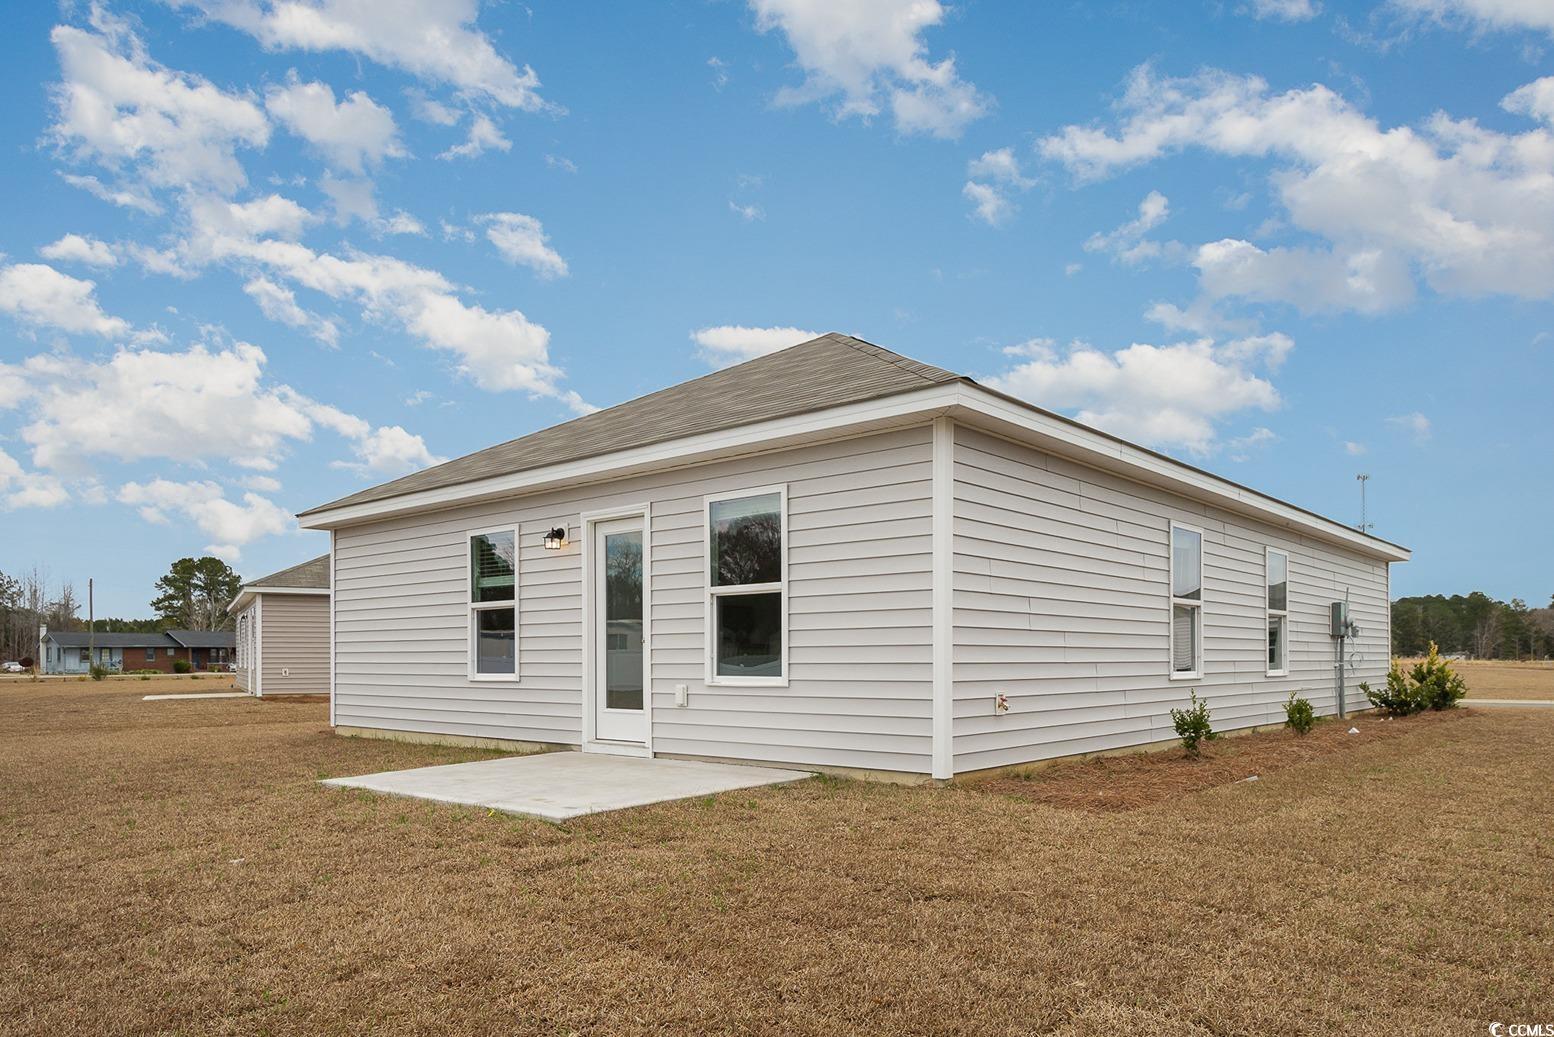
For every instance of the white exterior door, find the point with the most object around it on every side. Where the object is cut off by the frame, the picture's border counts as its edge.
(619, 661)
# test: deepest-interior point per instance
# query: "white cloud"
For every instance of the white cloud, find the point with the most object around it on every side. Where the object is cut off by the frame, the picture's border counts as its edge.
(1127, 242)
(733, 344)
(1484, 14)
(124, 197)
(1285, 10)
(23, 489)
(484, 135)
(429, 109)
(390, 451)
(230, 524)
(988, 204)
(279, 303)
(1367, 281)
(37, 294)
(261, 483)
(116, 105)
(1241, 448)
(872, 54)
(1353, 449)
(749, 213)
(993, 177)
(1414, 423)
(350, 199)
(186, 407)
(498, 350)
(522, 241)
(73, 248)
(351, 135)
(432, 39)
(402, 223)
(1165, 396)
(561, 162)
(1535, 100)
(1466, 208)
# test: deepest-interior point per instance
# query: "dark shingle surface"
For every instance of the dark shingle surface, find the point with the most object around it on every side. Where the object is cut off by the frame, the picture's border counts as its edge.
(828, 371)
(80, 639)
(311, 574)
(204, 638)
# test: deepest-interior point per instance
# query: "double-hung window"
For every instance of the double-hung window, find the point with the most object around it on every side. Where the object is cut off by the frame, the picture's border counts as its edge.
(747, 578)
(493, 601)
(1277, 572)
(1186, 602)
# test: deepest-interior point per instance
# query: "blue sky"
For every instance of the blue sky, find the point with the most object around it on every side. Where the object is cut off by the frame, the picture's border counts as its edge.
(259, 254)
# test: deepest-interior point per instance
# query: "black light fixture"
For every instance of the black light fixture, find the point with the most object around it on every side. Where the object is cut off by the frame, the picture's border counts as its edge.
(556, 539)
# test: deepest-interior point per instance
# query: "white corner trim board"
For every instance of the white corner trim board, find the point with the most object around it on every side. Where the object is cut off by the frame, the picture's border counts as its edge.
(943, 598)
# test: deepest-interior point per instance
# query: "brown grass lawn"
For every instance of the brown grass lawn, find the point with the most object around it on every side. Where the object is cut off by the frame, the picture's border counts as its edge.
(172, 867)
(1493, 679)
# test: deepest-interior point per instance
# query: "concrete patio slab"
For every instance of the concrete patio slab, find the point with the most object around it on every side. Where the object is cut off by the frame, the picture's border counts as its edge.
(561, 785)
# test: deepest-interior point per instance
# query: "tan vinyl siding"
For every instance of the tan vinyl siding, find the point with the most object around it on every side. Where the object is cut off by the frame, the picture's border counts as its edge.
(1061, 603)
(243, 656)
(294, 635)
(859, 605)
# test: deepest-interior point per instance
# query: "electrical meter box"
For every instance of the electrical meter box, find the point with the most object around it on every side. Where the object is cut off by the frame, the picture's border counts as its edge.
(1339, 614)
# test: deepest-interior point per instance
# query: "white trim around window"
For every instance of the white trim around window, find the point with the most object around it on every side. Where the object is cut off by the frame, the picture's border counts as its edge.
(712, 593)
(477, 607)
(1193, 605)
(1279, 667)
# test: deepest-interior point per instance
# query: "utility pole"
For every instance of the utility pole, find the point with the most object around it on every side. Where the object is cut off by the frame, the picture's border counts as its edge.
(1364, 526)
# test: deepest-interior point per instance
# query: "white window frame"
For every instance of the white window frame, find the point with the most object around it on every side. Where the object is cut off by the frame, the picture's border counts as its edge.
(474, 608)
(1196, 673)
(1270, 613)
(710, 592)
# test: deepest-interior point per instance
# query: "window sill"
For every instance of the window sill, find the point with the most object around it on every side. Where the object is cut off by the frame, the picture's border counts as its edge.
(1195, 676)
(747, 682)
(494, 678)
(1277, 673)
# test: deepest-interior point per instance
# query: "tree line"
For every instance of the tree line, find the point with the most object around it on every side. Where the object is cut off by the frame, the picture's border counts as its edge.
(1474, 624)
(193, 595)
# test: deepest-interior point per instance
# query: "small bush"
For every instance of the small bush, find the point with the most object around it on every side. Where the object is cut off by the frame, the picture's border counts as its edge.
(1192, 724)
(181, 666)
(1298, 715)
(145, 676)
(1439, 686)
(98, 671)
(1430, 684)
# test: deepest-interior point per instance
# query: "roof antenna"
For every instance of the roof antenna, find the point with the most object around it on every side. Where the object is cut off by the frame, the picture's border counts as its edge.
(1363, 526)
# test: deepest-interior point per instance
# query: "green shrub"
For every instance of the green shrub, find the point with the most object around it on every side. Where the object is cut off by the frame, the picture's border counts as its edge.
(181, 666)
(1192, 724)
(1430, 684)
(145, 676)
(98, 671)
(1298, 714)
(1438, 685)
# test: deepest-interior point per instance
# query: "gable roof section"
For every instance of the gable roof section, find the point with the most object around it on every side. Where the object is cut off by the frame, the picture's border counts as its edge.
(204, 638)
(312, 574)
(81, 639)
(824, 372)
(829, 386)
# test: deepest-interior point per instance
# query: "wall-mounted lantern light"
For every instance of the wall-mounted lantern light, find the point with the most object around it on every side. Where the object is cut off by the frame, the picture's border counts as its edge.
(556, 539)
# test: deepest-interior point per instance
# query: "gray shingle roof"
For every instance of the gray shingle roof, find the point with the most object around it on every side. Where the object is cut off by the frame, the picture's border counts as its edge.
(204, 638)
(80, 639)
(828, 371)
(312, 574)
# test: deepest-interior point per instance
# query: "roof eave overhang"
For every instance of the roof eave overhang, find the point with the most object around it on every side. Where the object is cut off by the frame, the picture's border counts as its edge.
(250, 591)
(968, 402)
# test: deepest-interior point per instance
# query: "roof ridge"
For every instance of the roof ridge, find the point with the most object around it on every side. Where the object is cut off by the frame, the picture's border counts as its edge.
(896, 360)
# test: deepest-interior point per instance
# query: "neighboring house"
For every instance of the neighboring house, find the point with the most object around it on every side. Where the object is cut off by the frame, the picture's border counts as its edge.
(72, 652)
(834, 556)
(283, 631)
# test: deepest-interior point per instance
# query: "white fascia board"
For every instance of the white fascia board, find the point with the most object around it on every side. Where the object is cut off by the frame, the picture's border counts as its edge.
(965, 401)
(903, 408)
(248, 592)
